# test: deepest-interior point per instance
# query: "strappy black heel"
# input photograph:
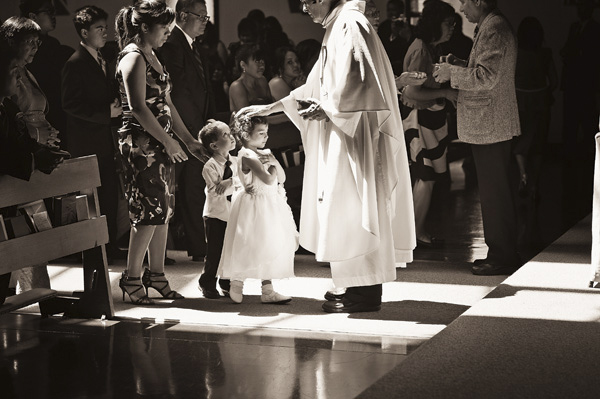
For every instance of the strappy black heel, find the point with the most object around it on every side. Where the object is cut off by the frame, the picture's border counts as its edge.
(128, 285)
(160, 284)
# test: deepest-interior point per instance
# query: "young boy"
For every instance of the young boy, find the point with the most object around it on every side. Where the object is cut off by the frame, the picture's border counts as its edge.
(220, 175)
(90, 101)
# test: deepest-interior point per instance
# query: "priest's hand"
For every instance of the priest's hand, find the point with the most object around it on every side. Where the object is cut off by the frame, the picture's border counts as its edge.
(312, 110)
(410, 79)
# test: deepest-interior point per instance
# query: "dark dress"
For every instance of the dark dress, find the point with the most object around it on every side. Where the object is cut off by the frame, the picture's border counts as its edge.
(149, 175)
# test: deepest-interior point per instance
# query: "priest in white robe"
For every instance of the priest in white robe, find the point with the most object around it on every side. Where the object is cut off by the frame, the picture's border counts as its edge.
(357, 209)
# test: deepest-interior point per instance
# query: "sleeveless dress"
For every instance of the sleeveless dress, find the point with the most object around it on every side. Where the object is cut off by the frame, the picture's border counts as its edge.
(261, 236)
(149, 173)
(424, 122)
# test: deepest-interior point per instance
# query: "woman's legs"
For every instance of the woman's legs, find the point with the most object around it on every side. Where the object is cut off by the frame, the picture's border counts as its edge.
(157, 248)
(140, 237)
(422, 191)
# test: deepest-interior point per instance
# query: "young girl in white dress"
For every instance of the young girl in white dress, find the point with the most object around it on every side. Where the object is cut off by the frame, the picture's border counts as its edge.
(261, 236)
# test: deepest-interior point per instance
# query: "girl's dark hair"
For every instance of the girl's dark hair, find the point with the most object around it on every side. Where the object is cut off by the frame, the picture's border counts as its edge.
(129, 20)
(87, 16)
(209, 134)
(530, 34)
(15, 29)
(280, 54)
(243, 126)
(429, 27)
(248, 52)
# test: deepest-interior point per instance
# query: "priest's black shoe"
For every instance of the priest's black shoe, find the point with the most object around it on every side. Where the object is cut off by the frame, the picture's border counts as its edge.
(209, 293)
(332, 296)
(346, 306)
(479, 262)
(489, 269)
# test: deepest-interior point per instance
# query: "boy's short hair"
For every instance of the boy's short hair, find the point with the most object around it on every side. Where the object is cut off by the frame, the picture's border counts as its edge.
(210, 133)
(243, 126)
(87, 16)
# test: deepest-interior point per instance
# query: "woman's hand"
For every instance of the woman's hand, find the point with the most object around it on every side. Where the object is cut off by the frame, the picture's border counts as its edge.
(174, 151)
(452, 96)
(197, 150)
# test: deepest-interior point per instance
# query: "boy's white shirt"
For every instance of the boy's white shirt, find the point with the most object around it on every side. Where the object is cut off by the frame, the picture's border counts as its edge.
(216, 206)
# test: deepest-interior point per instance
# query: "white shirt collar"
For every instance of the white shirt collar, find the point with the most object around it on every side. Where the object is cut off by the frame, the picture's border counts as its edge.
(90, 49)
(189, 39)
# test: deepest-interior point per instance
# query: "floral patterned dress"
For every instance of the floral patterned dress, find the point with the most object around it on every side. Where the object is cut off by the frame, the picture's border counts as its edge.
(149, 174)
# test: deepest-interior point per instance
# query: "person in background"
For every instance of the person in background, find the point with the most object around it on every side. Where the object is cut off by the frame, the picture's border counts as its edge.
(216, 53)
(49, 60)
(20, 154)
(395, 34)
(357, 209)
(22, 36)
(192, 95)
(287, 73)
(248, 34)
(488, 119)
(535, 81)
(423, 112)
(308, 53)
(251, 87)
(146, 143)
(90, 102)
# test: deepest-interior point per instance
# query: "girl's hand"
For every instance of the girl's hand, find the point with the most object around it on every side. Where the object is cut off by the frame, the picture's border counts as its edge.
(174, 151)
(223, 186)
(250, 189)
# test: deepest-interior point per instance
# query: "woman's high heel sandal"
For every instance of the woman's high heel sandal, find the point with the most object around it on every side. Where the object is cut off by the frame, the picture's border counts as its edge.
(160, 284)
(135, 290)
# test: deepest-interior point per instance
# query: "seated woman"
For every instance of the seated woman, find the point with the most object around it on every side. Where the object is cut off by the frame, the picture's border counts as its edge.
(22, 35)
(251, 88)
(287, 73)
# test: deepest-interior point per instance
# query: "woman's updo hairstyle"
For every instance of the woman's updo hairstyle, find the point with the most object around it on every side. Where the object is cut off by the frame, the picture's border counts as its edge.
(129, 20)
(243, 126)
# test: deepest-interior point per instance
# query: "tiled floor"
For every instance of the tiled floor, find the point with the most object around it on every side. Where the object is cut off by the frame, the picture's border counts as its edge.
(68, 358)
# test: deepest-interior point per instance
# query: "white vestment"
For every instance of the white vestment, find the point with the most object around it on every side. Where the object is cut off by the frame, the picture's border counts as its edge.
(357, 207)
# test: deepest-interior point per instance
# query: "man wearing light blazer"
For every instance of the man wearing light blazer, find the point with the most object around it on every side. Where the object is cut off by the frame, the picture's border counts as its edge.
(488, 119)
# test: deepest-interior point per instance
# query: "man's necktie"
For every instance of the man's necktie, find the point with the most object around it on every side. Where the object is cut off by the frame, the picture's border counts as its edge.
(198, 56)
(102, 62)
(227, 174)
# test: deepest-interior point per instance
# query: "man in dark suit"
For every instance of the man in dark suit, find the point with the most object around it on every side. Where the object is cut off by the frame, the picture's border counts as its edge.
(90, 101)
(193, 98)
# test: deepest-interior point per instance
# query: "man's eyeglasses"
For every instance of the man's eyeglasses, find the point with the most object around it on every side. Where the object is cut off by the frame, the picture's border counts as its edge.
(36, 42)
(203, 18)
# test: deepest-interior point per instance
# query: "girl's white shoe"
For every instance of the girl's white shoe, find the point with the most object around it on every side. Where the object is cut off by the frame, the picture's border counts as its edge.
(236, 291)
(270, 296)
